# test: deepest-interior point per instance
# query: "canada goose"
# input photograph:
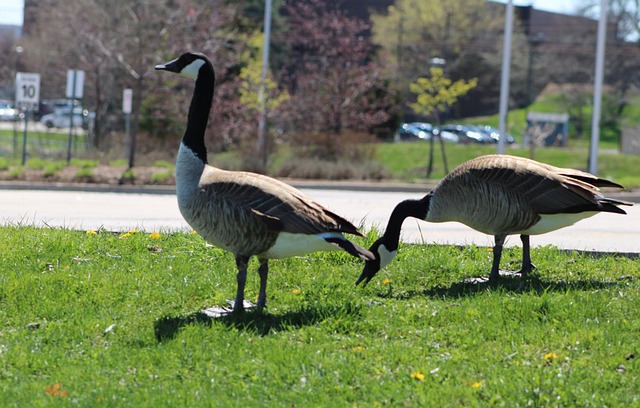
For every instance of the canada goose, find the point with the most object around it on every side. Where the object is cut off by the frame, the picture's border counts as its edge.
(500, 195)
(244, 213)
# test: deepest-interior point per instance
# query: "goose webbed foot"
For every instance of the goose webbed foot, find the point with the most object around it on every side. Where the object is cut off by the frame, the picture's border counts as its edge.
(220, 311)
(526, 268)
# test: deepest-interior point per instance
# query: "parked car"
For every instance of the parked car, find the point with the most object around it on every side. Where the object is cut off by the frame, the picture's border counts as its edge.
(414, 131)
(467, 134)
(495, 134)
(8, 112)
(60, 118)
(422, 131)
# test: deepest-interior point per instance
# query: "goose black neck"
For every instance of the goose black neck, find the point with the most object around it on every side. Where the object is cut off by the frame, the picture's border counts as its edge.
(199, 111)
(407, 208)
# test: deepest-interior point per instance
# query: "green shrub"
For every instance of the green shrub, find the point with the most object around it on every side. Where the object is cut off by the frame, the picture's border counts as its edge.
(306, 168)
(4, 163)
(118, 162)
(84, 173)
(128, 175)
(36, 163)
(162, 177)
(85, 164)
(16, 172)
(52, 168)
(163, 163)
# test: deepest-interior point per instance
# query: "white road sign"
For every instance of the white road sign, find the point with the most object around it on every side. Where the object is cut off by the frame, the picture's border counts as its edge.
(75, 83)
(127, 96)
(27, 88)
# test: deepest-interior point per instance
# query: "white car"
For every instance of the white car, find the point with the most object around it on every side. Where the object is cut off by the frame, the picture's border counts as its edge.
(60, 118)
(8, 112)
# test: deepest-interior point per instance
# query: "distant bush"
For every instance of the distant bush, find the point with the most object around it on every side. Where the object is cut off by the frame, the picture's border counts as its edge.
(84, 173)
(161, 177)
(4, 163)
(37, 163)
(349, 145)
(16, 172)
(85, 164)
(306, 168)
(53, 167)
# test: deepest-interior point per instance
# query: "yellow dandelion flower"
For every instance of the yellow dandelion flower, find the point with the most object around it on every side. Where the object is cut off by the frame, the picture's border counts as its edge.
(386, 281)
(126, 235)
(154, 235)
(358, 348)
(550, 356)
(417, 375)
(133, 231)
(489, 249)
(296, 291)
(91, 232)
(193, 232)
(56, 391)
(477, 384)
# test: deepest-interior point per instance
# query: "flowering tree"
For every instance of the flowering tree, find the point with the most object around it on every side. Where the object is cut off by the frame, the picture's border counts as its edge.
(434, 95)
(333, 82)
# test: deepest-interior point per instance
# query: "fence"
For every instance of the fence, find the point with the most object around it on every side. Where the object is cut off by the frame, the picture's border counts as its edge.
(42, 142)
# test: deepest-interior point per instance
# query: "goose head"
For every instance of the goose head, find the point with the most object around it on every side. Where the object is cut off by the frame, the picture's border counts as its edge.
(383, 257)
(188, 64)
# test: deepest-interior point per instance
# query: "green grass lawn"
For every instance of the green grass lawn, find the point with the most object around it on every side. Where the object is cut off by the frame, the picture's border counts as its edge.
(112, 319)
(408, 161)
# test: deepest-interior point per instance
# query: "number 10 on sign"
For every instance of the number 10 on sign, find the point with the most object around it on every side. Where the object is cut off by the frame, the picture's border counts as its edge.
(27, 89)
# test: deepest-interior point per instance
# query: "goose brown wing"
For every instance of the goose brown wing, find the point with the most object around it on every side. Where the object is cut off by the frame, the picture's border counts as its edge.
(546, 191)
(280, 206)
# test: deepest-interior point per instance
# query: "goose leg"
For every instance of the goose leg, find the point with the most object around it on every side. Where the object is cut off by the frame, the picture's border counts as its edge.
(497, 254)
(263, 271)
(527, 266)
(241, 278)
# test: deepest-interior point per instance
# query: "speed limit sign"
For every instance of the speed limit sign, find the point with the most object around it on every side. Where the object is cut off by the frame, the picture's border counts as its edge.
(27, 89)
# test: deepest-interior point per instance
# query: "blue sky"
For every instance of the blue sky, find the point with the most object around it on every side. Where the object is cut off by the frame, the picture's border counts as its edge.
(11, 10)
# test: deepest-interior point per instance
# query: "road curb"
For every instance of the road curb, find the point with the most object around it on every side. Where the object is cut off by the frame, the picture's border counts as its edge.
(417, 188)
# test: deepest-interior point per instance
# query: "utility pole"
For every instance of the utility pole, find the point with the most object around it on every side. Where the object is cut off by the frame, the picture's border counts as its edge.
(506, 74)
(262, 122)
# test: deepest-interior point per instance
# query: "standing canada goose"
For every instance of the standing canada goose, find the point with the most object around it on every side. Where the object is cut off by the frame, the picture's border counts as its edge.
(500, 195)
(246, 214)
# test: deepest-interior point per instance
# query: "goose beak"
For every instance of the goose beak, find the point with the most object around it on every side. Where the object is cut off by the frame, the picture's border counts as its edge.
(382, 258)
(169, 66)
(369, 271)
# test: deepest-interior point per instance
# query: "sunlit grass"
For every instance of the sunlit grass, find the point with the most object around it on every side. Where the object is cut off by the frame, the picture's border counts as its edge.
(95, 318)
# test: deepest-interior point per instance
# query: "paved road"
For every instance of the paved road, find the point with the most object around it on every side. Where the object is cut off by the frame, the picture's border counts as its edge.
(156, 212)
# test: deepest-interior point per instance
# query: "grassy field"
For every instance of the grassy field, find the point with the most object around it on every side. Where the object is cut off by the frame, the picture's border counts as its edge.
(111, 319)
(408, 161)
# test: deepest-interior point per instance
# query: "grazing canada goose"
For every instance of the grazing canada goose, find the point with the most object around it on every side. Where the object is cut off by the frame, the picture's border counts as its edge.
(244, 213)
(500, 195)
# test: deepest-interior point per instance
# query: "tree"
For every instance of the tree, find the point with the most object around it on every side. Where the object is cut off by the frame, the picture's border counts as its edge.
(434, 95)
(118, 42)
(463, 34)
(250, 95)
(334, 85)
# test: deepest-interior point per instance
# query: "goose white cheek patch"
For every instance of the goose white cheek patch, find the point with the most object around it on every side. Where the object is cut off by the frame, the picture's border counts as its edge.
(191, 70)
(386, 256)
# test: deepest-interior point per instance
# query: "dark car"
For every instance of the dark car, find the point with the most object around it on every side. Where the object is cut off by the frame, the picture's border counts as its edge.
(495, 134)
(467, 134)
(415, 131)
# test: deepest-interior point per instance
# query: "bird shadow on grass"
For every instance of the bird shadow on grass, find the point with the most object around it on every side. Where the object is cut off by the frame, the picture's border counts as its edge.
(258, 322)
(511, 284)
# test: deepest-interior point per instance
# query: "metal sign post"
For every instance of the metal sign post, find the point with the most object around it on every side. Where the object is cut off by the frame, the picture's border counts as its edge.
(75, 84)
(27, 96)
(127, 108)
